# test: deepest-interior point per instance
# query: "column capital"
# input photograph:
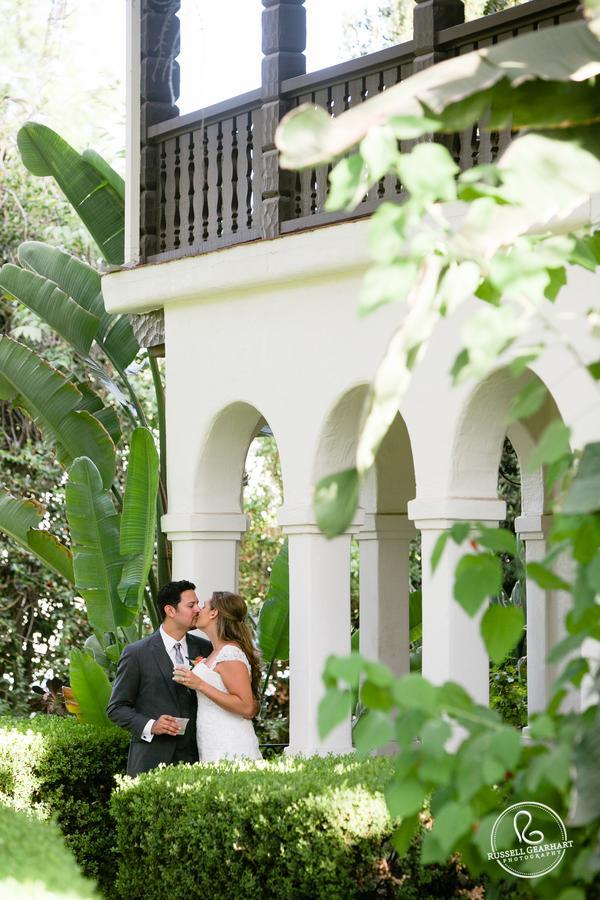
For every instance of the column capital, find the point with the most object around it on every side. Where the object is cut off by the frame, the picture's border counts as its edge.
(204, 526)
(302, 520)
(441, 513)
(533, 527)
(387, 527)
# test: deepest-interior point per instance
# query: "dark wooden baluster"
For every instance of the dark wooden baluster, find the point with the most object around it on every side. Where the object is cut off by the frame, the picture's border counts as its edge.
(254, 170)
(227, 175)
(177, 195)
(191, 187)
(305, 194)
(205, 167)
(234, 174)
(220, 180)
(162, 218)
(374, 86)
(185, 187)
(212, 179)
(169, 188)
(322, 98)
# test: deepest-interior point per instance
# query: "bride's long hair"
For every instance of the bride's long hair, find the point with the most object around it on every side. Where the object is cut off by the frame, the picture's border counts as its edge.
(232, 627)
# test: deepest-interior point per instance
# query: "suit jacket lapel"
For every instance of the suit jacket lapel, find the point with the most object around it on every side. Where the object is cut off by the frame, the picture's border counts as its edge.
(163, 661)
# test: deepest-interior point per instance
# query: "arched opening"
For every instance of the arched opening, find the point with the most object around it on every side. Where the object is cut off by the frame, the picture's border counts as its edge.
(490, 459)
(384, 558)
(238, 493)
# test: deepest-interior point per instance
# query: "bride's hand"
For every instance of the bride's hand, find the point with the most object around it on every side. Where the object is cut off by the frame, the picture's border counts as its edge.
(182, 675)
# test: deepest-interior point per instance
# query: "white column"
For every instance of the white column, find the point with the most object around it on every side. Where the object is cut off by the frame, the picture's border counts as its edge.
(384, 542)
(453, 649)
(532, 530)
(206, 549)
(319, 626)
(132, 134)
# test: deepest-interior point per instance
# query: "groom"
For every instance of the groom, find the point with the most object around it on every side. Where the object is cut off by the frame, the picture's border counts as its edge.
(145, 699)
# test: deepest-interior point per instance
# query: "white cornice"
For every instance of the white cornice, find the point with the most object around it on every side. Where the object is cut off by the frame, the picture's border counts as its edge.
(328, 252)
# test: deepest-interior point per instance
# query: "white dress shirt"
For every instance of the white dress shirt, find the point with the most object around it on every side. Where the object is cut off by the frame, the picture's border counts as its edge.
(169, 643)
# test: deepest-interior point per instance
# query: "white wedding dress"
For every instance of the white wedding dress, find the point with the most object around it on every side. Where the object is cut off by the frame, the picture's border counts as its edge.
(222, 734)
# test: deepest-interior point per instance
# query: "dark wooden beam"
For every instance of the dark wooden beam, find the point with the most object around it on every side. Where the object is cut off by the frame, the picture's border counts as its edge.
(283, 45)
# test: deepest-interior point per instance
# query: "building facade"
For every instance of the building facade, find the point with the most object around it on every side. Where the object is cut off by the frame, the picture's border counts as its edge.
(256, 288)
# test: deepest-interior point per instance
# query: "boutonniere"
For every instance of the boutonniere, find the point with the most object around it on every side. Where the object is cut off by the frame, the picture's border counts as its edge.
(197, 660)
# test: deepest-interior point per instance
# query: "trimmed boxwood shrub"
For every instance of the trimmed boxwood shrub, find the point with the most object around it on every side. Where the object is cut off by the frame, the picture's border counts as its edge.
(58, 768)
(34, 862)
(292, 827)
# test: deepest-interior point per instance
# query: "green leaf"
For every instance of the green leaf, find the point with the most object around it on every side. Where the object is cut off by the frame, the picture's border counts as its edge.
(91, 193)
(347, 669)
(19, 520)
(500, 540)
(378, 674)
(388, 229)
(73, 323)
(506, 746)
(52, 402)
(501, 629)
(402, 836)
(450, 824)
(584, 492)
(546, 578)
(438, 550)
(414, 692)
(542, 728)
(408, 128)
(52, 552)
(528, 401)
(375, 697)
(379, 150)
(553, 444)
(404, 797)
(274, 616)
(138, 519)
(98, 563)
(334, 708)
(387, 284)
(587, 776)
(336, 499)
(82, 283)
(348, 183)
(428, 172)
(477, 578)
(91, 689)
(372, 730)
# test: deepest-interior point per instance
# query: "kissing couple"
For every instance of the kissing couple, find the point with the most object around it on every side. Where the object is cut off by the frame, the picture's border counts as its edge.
(184, 698)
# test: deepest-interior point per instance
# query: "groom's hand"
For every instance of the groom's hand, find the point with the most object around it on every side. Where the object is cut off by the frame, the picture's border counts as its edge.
(165, 725)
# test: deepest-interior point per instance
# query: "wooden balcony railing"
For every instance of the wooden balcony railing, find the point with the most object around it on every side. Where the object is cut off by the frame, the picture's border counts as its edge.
(214, 170)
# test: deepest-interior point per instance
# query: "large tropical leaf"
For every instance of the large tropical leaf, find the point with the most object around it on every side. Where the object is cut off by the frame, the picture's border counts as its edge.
(53, 403)
(82, 284)
(98, 564)
(19, 520)
(273, 621)
(52, 552)
(73, 323)
(84, 182)
(91, 402)
(138, 520)
(91, 689)
(508, 79)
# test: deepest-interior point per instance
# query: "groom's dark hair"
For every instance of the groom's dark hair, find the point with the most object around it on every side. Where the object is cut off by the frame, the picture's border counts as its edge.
(170, 594)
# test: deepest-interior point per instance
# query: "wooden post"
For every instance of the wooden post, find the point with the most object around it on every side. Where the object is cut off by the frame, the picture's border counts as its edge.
(429, 17)
(283, 45)
(159, 92)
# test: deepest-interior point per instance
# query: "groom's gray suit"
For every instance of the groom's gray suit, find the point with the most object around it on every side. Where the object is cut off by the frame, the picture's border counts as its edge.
(144, 689)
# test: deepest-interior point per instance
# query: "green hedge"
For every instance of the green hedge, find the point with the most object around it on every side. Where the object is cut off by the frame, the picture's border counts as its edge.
(34, 862)
(301, 828)
(66, 771)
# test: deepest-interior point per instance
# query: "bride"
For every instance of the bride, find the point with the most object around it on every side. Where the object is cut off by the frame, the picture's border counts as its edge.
(226, 682)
